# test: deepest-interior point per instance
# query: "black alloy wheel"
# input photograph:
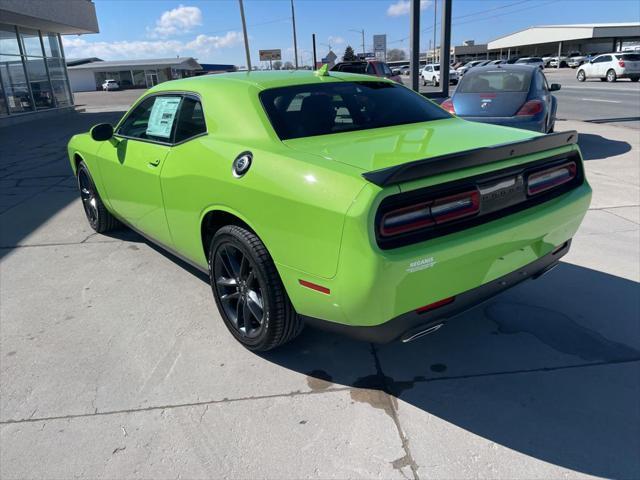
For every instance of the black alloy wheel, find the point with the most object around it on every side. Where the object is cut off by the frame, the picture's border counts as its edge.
(239, 290)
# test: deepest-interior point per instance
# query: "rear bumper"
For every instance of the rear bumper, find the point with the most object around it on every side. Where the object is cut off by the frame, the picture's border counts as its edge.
(413, 325)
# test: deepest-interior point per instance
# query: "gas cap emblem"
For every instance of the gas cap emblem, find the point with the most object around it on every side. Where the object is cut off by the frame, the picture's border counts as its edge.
(241, 164)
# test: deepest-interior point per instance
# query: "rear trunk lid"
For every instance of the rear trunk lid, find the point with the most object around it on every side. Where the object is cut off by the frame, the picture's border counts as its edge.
(489, 104)
(380, 148)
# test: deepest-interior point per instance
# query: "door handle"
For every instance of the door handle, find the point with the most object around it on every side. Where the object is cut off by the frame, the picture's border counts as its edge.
(154, 163)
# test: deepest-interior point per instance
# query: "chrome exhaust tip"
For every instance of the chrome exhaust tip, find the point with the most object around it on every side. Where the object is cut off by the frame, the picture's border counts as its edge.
(422, 333)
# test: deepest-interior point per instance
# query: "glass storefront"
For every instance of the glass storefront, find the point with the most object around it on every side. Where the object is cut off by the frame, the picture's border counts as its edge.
(33, 72)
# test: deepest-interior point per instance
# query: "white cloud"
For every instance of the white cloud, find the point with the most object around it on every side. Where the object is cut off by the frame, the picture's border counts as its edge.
(403, 7)
(200, 46)
(335, 40)
(179, 20)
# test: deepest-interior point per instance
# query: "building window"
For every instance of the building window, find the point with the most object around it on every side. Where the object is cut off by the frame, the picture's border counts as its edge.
(32, 71)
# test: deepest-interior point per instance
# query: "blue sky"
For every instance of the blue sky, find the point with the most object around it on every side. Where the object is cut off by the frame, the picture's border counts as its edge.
(211, 30)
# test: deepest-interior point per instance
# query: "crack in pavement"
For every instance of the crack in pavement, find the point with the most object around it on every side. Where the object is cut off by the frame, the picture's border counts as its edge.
(388, 388)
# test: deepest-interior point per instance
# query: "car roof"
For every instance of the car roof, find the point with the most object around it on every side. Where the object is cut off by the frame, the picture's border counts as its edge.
(261, 80)
(507, 67)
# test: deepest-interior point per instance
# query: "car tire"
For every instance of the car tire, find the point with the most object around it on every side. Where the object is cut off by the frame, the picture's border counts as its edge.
(245, 285)
(611, 76)
(99, 218)
(603, 79)
(434, 81)
(581, 76)
(563, 64)
(424, 82)
(635, 79)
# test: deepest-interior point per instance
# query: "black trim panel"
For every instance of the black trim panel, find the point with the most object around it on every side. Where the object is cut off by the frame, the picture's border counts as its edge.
(468, 158)
(410, 324)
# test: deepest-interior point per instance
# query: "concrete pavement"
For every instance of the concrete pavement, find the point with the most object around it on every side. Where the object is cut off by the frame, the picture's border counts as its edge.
(115, 364)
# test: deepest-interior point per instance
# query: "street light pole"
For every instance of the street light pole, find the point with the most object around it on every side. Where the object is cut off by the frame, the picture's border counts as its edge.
(246, 38)
(315, 60)
(295, 42)
(362, 33)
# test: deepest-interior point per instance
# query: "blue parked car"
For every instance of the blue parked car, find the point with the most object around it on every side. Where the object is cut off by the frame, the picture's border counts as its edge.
(511, 95)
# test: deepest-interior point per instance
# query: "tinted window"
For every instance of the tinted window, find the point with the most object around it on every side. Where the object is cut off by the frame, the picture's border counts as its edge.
(320, 109)
(604, 58)
(153, 119)
(371, 69)
(630, 57)
(190, 120)
(351, 67)
(495, 81)
(386, 69)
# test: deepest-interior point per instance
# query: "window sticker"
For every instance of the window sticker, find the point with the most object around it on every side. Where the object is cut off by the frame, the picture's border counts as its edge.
(163, 114)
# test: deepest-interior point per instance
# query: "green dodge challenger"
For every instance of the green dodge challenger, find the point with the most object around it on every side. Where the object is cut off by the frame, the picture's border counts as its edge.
(338, 200)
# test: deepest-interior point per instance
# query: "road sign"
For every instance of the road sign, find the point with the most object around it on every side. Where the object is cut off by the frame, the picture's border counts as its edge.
(380, 47)
(267, 55)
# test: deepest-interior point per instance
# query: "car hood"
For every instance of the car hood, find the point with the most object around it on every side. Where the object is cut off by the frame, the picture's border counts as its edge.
(390, 146)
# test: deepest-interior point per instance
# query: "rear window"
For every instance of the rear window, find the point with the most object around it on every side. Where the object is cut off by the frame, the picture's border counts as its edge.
(351, 68)
(495, 81)
(320, 109)
(630, 57)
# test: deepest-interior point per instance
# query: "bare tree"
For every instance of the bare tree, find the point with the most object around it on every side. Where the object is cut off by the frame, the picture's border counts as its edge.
(396, 54)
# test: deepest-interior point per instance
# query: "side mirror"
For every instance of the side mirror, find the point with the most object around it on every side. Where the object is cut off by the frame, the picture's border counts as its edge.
(101, 132)
(554, 87)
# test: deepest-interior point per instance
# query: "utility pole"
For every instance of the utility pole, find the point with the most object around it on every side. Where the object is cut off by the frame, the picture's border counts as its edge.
(415, 44)
(362, 33)
(246, 39)
(295, 42)
(315, 60)
(435, 11)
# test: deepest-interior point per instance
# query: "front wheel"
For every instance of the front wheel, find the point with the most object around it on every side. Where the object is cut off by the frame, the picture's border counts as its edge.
(635, 79)
(434, 81)
(248, 291)
(611, 76)
(581, 76)
(100, 219)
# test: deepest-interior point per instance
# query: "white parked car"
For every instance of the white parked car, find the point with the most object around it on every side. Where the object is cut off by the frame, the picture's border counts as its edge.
(610, 67)
(533, 61)
(566, 60)
(431, 74)
(110, 84)
(462, 70)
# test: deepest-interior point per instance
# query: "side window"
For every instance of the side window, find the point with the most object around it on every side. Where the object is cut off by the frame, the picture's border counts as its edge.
(153, 119)
(190, 120)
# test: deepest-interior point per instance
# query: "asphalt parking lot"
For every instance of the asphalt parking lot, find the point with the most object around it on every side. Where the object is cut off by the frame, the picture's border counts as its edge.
(115, 364)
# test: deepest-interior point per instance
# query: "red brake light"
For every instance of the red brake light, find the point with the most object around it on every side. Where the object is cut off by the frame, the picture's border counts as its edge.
(448, 106)
(621, 63)
(550, 178)
(532, 107)
(432, 306)
(455, 206)
(406, 219)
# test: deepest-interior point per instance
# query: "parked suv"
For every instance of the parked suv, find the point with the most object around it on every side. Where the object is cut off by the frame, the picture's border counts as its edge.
(369, 67)
(431, 74)
(610, 67)
(110, 84)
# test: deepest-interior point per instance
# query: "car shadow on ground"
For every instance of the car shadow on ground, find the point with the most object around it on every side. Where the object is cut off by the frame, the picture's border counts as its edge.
(597, 147)
(531, 370)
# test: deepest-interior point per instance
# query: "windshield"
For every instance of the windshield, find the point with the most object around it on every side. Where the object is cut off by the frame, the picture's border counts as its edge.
(320, 109)
(495, 81)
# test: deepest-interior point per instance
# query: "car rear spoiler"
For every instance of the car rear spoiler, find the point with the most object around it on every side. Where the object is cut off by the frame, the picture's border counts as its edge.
(469, 158)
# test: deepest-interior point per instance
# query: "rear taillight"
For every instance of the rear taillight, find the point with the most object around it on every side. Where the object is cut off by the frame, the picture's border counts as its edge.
(425, 214)
(549, 178)
(406, 219)
(621, 63)
(448, 106)
(532, 107)
(455, 206)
